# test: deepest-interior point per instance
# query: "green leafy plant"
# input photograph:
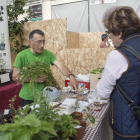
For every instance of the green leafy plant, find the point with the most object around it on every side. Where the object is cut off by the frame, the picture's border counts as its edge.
(59, 98)
(11, 105)
(34, 70)
(22, 112)
(14, 10)
(8, 116)
(27, 128)
(42, 123)
(64, 123)
(76, 106)
(2, 64)
(89, 116)
(97, 71)
(1, 13)
(77, 115)
(2, 37)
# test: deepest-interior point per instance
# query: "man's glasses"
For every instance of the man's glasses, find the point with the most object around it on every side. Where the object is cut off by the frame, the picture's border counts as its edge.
(39, 42)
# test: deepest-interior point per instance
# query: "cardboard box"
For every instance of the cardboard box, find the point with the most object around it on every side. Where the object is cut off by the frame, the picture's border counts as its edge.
(82, 84)
(94, 79)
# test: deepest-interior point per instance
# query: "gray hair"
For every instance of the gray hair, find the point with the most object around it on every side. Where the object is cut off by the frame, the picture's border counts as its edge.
(31, 35)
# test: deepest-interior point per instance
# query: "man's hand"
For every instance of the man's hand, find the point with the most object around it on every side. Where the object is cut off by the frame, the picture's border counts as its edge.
(41, 79)
(74, 83)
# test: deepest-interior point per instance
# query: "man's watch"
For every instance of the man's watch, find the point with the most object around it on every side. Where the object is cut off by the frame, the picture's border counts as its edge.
(70, 75)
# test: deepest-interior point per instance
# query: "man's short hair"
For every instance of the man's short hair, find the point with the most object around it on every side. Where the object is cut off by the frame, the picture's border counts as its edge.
(31, 35)
(104, 36)
(121, 19)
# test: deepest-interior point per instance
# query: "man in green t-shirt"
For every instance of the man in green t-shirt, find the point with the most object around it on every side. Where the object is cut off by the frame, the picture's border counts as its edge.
(37, 51)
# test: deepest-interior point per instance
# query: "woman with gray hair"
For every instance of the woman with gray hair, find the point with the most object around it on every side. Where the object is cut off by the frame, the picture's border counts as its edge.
(122, 67)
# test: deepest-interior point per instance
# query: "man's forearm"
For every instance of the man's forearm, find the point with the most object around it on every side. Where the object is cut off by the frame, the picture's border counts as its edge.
(65, 71)
(17, 79)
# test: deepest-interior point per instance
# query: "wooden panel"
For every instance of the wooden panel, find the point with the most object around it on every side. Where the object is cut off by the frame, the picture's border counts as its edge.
(90, 40)
(72, 40)
(85, 60)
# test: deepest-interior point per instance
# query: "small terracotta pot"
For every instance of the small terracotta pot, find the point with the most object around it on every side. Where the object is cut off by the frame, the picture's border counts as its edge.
(80, 131)
(78, 117)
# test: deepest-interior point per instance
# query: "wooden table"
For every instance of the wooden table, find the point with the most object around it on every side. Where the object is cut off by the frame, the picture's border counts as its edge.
(102, 130)
(7, 92)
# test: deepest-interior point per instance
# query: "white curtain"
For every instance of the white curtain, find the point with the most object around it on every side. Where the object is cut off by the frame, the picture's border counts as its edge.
(76, 14)
(97, 11)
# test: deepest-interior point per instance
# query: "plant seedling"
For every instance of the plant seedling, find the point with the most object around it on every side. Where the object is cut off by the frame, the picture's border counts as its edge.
(11, 105)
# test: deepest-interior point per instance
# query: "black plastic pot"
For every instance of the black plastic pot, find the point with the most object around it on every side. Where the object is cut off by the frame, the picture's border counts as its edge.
(8, 117)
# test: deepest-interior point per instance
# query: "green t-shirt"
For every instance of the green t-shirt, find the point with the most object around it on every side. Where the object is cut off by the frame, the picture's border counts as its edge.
(27, 56)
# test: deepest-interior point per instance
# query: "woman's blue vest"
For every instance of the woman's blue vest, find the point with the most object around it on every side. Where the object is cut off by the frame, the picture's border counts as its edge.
(122, 119)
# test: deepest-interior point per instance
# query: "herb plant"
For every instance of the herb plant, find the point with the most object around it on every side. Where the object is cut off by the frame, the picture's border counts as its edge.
(34, 70)
(2, 64)
(77, 115)
(27, 128)
(97, 71)
(42, 123)
(66, 124)
(11, 105)
(2, 37)
(89, 116)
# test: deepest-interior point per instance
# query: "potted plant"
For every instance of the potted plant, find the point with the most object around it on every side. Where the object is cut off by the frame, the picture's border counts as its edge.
(80, 130)
(2, 65)
(77, 115)
(2, 44)
(40, 123)
(7, 115)
(65, 125)
(27, 128)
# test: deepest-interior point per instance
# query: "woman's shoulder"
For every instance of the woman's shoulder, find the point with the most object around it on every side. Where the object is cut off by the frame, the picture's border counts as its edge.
(115, 53)
(115, 58)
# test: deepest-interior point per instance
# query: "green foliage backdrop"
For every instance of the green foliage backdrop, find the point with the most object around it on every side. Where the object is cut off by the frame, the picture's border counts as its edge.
(14, 10)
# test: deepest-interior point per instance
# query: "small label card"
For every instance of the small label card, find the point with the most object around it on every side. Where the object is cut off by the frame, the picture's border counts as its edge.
(4, 78)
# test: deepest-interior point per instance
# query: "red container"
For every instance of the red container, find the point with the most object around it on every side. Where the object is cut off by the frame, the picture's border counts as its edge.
(82, 84)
